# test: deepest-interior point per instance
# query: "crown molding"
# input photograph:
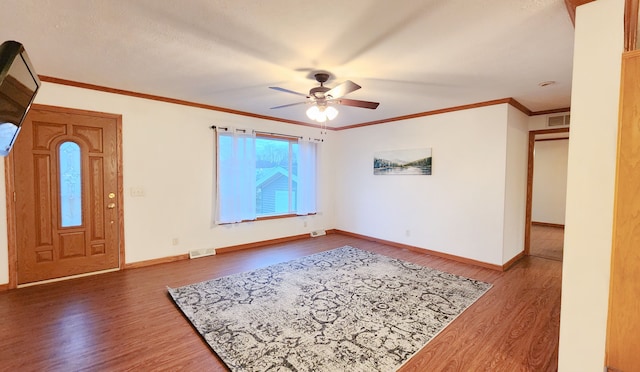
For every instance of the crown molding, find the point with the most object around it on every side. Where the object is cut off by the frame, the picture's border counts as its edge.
(511, 101)
(153, 97)
(571, 8)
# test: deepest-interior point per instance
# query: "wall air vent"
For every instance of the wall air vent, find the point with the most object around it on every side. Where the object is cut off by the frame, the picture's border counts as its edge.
(558, 121)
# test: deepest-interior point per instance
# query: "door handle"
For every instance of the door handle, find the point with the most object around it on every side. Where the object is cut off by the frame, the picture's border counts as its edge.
(111, 205)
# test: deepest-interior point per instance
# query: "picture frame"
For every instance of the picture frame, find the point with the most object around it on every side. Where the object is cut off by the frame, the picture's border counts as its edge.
(403, 162)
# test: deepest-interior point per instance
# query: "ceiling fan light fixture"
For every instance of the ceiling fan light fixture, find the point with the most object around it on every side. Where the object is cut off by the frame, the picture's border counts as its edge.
(313, 112)
(331, 112)
(322, 113)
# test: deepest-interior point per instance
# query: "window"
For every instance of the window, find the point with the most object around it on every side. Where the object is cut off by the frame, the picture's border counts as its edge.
(264, 176)
(276, 176)
(70, 184)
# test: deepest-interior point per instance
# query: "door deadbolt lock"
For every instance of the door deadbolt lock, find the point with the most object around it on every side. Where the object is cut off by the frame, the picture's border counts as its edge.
(112, 195)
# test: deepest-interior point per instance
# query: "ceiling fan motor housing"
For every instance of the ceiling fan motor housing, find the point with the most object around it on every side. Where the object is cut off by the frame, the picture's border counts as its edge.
(322, 77)
(318, 92)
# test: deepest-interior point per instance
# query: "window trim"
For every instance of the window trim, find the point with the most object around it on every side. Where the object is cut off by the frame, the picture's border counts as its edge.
(273, 217)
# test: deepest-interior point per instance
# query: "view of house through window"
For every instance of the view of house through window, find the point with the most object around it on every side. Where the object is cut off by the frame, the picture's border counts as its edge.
(276, 175)
(264, 175)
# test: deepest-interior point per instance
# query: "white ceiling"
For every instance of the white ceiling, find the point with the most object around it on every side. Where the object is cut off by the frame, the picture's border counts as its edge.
(412, 56)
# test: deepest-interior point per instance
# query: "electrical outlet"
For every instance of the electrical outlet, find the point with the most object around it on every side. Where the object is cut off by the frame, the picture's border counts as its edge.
(175, 241)
(407, 233)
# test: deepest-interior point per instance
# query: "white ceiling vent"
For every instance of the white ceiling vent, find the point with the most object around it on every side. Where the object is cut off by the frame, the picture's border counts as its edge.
(558, 121)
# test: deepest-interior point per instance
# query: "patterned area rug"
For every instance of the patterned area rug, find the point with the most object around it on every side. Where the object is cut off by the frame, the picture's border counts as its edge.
(340, 310)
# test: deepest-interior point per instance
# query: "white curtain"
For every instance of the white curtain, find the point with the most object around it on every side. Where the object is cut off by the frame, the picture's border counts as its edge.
(307, 177)
(236, 179)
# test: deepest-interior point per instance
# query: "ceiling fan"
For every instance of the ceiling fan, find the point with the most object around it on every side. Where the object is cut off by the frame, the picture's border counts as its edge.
(322, 97)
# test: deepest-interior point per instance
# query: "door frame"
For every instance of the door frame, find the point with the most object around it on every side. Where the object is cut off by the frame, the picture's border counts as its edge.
(529, 207)
(10, 190)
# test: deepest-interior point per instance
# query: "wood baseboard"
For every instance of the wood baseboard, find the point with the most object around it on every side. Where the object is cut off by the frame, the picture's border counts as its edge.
(426, 251)
(156, 261)
(263, 243)
(512, 261)
(547, 224)
(233, 248)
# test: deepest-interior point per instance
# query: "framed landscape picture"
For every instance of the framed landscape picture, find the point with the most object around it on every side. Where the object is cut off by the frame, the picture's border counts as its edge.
(416, 162)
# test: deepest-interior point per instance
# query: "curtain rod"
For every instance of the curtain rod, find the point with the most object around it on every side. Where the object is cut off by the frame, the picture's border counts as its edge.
(227, 128)
(270, 133)
(288, 135)
(257, 131)
(276, 134)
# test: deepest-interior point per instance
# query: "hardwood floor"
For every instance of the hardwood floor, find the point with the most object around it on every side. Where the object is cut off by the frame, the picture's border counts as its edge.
(126, 321)
(547, 242)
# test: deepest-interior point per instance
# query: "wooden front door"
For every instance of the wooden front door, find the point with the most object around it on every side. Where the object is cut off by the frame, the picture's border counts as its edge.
(67, 204)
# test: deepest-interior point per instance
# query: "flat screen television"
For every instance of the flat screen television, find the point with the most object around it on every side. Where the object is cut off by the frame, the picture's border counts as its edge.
(19, 84)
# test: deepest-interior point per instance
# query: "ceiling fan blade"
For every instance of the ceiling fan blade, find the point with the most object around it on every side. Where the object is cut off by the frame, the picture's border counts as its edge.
(288, 91)
(356, 103)
(342, 90)
(291, 104)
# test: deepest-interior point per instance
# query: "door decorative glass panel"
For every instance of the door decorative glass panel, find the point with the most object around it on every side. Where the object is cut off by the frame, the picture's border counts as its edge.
(70, 185)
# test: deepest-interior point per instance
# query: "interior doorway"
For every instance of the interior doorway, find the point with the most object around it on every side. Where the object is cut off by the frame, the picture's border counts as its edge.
(547, 241)
(546, 193)
(64, 179)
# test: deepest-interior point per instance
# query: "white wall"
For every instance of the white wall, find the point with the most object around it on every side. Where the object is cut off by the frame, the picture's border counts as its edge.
(550, 181)
(515, 203)
(459, 209)
(590, 185)
(168, 151)
(469, 207)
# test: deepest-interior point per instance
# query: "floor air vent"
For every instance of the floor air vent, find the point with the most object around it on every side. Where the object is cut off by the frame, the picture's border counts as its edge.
(202, 252)
(317, 233)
